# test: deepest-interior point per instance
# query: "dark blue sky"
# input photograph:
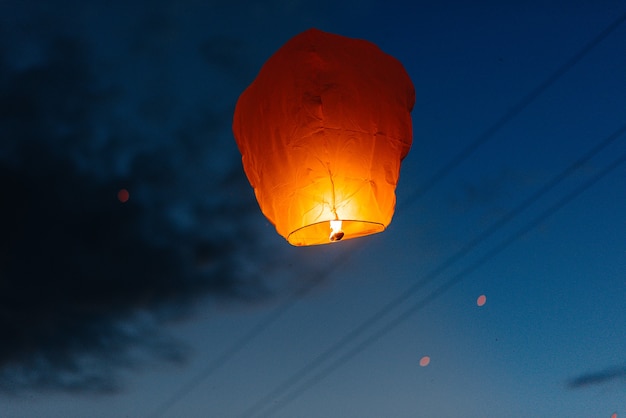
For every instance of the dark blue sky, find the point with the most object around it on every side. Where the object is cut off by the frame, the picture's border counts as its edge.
(112, 309)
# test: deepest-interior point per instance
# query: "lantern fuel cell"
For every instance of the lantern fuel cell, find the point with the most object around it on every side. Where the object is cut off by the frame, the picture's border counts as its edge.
(336, 234)
(322, 131)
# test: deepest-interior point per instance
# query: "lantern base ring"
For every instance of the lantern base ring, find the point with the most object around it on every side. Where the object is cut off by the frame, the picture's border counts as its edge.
(318, 233)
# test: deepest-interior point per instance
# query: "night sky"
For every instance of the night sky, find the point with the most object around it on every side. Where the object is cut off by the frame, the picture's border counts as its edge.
(138, 277)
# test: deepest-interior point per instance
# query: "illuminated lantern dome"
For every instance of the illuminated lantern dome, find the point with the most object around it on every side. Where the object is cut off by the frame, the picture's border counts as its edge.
(322, 131)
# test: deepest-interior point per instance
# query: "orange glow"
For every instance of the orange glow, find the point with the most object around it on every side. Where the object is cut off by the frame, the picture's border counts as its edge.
(322, 131)
(424, 361)
(614, 415)
(481, 300)
(123, 195)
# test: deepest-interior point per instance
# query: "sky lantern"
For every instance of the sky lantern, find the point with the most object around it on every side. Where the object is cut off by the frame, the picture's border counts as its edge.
(322, 131)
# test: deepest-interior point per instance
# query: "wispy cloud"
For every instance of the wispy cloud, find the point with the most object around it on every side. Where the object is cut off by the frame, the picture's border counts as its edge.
(597, 378)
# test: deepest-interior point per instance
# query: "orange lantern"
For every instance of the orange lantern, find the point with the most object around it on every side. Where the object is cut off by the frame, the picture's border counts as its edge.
(322, 131)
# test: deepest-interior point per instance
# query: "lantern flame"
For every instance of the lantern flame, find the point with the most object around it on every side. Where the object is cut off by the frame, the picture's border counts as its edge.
(336, 234)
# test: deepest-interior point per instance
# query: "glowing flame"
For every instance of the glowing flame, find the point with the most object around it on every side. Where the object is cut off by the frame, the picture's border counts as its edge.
(335, 231)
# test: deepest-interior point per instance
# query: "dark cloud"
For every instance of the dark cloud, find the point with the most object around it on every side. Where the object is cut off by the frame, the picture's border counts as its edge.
(86, 280)
(597, 378)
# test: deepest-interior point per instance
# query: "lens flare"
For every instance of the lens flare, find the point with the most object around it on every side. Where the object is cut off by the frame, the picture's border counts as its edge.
(123, 195)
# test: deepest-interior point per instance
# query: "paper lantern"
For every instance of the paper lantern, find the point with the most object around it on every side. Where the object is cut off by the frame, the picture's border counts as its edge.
(322, 131)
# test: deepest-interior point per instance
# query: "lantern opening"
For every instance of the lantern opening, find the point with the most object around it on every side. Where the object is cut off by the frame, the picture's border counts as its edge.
(317, 233)
(336, 234)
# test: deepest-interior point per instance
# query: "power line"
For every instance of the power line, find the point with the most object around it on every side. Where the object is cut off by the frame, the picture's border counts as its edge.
(278, 312)
(515, 110)
(450, 261)
(457, 278)
(245, 339)
(223, 358)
